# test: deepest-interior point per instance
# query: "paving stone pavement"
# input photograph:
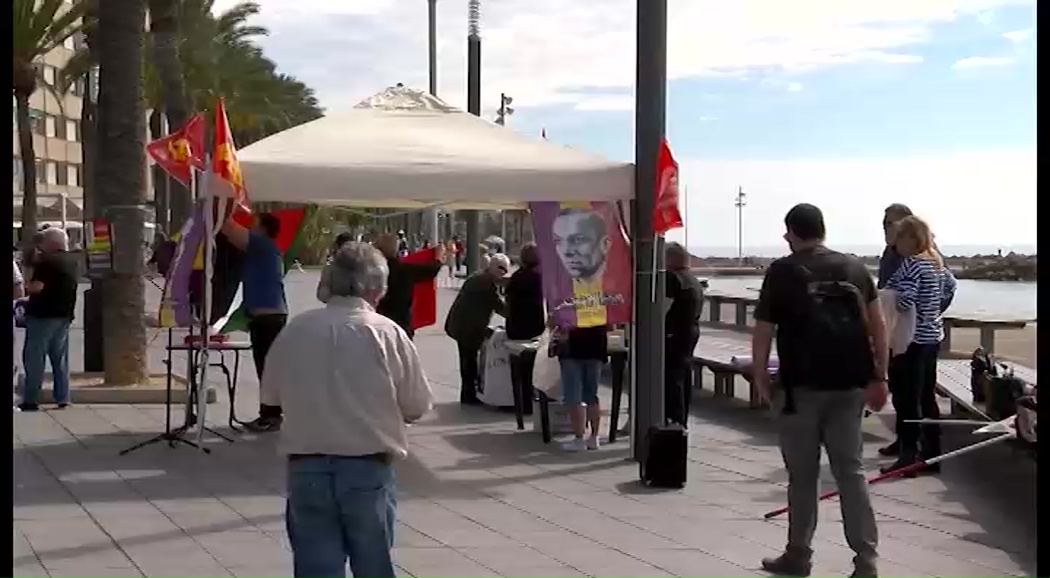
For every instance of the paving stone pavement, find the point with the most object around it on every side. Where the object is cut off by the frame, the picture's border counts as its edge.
(478, 498)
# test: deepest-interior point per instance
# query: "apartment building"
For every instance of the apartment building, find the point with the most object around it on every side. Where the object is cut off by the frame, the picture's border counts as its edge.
(56, 142)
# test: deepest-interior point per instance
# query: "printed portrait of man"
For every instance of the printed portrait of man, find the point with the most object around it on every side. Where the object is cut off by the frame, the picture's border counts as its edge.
(582, 243)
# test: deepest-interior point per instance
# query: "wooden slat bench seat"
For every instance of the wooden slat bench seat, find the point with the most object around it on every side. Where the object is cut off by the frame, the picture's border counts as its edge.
(715, 352)
(953, 381)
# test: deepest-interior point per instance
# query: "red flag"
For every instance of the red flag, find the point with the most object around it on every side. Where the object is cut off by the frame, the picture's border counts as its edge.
(665, 213)
(224, 154)
(424, 294)
(181, 150)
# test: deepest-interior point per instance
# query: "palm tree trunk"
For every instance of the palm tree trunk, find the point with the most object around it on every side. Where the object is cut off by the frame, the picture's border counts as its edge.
(121, 186)
(25, 145)
(164, 33)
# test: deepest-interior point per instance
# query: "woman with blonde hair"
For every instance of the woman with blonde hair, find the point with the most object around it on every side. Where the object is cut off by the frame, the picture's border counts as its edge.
(923, 284)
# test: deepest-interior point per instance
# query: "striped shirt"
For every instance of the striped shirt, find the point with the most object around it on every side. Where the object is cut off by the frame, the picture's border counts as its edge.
(920, 285)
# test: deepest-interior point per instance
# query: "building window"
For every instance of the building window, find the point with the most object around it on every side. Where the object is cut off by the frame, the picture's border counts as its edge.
(39, 171)
(73, 175)
(72, 130)
(52, 173)
(36, 121)
(50, 126)
(61, 175)
(49, 75)
(60, 128)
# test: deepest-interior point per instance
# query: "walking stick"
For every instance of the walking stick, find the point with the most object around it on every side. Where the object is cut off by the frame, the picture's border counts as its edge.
(907, 469)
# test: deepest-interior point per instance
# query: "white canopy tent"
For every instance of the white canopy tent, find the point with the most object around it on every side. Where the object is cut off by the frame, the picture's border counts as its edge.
(405, 148)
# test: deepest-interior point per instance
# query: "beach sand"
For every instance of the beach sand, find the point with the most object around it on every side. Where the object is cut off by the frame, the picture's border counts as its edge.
(1017, 345)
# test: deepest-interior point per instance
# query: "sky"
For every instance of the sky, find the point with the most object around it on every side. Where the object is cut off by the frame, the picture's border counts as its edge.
(847, 104)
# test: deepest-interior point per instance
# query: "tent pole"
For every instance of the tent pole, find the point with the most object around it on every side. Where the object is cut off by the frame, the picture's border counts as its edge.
(647, 344)
(473, 107)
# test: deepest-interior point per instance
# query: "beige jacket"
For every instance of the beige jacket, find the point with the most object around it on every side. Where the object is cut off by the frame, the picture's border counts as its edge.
(900, 325)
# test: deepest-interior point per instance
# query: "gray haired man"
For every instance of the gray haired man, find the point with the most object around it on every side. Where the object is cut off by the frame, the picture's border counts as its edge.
(349, 379)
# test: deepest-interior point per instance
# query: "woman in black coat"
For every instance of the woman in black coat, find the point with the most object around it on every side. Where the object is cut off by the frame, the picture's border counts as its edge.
(525, 314)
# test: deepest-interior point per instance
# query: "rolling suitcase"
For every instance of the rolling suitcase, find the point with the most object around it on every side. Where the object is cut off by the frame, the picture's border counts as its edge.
(665, 457)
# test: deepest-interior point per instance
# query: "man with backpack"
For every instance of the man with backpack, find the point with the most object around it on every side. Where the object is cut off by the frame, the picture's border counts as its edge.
(833, 353)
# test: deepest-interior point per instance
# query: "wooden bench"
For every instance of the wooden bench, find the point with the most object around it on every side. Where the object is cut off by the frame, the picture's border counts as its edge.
(741, 306)
(986, 325)
(715, 352)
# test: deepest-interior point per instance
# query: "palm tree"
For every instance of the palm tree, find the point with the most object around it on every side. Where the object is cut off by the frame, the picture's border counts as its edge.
(39, 26)
(120, 183)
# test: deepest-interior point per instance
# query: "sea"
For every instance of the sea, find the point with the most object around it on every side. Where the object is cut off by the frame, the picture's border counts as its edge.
(999, 299)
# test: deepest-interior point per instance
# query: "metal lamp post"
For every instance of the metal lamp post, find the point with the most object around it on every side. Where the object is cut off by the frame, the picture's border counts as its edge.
(430, 216)
(741, 202)
(647, 342)
(473, 107)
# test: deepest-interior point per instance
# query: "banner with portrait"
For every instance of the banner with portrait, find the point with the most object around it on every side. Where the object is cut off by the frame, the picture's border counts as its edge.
(585, 262)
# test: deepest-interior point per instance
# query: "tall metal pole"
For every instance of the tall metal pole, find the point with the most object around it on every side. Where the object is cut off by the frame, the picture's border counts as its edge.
(647, 342)
(473, 107)
(740, 204)
(430, 216)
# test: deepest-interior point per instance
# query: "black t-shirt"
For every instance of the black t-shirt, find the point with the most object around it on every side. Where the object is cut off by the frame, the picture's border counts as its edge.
(587, 343)
(687, 303)
(58, 298)
(784, 302)
(525, 317)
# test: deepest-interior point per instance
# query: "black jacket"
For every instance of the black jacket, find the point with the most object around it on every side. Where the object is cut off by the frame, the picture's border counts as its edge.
(525, 317)
(468, 319)
(396, 305)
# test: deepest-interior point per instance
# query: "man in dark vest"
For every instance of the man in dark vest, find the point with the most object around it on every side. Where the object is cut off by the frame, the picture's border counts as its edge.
(685, 296)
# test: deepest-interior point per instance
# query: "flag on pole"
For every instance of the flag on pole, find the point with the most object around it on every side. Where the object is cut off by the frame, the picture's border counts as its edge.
(543, 133)
(224, 155)
(181, 151)
(665, 212)
(424, 293)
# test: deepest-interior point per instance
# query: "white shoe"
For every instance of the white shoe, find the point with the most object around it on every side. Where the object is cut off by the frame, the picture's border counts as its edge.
(574, 445)
(592, 443)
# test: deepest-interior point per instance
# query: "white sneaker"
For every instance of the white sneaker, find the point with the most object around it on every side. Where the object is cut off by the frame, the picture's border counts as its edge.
(592, 443)
(574, 445)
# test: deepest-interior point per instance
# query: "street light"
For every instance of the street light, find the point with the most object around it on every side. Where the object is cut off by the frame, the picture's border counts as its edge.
(741, 202)
(505, 109)
(470, 217)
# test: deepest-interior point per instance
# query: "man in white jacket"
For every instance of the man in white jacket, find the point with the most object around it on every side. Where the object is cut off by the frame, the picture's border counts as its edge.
(349, 380)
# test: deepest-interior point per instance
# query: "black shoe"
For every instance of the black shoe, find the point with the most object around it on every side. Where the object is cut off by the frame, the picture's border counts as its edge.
(62, 406)
(265, 424)
(891, 451)
(28, 407)
(900, 463)
(788, 565)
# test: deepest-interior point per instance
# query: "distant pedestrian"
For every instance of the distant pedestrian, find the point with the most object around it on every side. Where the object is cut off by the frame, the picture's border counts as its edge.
(350, 379)
(19, 293)
(468, 321)
(923, 284)
(832, 349)
(459, 251)
(52, 302)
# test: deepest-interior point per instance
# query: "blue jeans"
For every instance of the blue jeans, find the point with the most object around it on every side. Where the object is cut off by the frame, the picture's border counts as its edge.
(46, 338)
(341, 509)
(579, 380)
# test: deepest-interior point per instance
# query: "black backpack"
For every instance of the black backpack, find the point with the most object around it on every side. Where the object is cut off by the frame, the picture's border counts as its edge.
(838, 346)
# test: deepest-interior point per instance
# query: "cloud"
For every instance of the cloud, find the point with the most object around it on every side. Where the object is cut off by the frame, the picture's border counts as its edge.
(1019, 35)
(548, 52)
(982, 62)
